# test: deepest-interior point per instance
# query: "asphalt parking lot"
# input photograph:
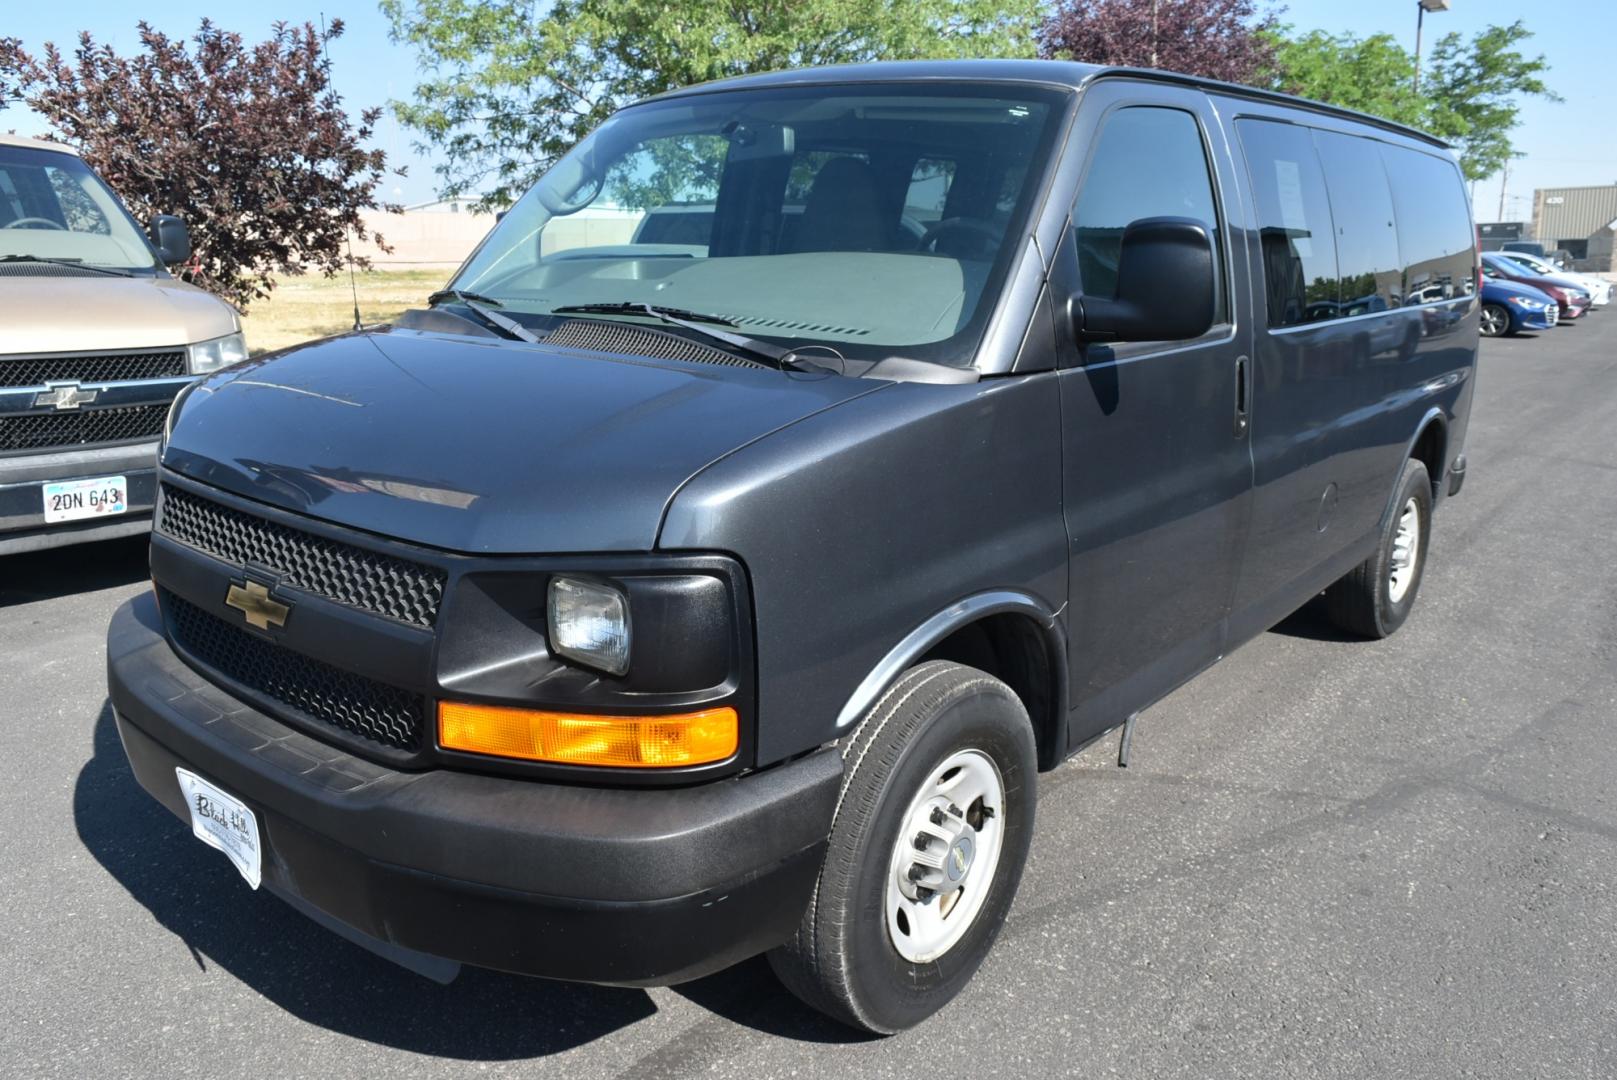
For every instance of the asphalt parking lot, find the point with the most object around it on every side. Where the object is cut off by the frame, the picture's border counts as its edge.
(1330, 858)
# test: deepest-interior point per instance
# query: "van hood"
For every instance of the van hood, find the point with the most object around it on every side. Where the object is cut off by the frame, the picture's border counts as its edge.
(481, 446)
(95, 313)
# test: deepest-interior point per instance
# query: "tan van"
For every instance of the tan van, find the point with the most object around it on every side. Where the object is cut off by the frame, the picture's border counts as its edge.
(96, 338)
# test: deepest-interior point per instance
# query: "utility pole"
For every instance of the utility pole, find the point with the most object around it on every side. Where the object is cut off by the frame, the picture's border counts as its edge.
(1153, 33)
(1421, 8)
(1504, 180)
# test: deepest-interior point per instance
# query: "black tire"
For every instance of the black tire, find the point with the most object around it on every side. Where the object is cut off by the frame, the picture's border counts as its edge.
(1361, 602)
(1496, 321)
(842, 960)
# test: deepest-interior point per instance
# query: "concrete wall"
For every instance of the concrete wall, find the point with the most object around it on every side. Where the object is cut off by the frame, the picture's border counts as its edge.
(422, 237)
(442, 238)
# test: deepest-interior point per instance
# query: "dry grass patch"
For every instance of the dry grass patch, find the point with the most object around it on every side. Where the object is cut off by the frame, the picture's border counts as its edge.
(308, 307)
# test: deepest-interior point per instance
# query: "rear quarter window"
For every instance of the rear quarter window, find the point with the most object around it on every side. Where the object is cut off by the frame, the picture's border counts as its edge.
(1434, 225)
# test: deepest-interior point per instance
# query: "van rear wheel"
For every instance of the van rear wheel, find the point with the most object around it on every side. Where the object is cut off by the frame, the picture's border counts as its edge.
(1375, 597)
(927, 847)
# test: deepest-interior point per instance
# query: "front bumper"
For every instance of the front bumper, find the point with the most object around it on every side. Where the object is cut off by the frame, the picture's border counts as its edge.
(22, 502)
(635, 886)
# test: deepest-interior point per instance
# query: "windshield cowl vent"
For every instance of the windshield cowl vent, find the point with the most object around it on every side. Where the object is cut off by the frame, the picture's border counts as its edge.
(802, 327)
(34, 269)
(639, 341)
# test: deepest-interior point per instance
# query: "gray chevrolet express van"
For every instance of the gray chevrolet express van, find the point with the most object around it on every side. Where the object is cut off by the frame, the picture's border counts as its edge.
(627, 613)
(96, 338)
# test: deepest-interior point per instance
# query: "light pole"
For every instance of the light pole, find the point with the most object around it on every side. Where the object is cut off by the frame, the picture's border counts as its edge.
(1422, 7)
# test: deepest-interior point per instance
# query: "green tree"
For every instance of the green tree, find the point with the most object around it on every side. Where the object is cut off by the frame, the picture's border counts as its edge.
(1476, 88)
(510, 85)
(1470, 91)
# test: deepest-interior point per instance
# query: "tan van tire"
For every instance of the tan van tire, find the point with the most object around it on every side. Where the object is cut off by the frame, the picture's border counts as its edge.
(927, 846)
(1375, 597)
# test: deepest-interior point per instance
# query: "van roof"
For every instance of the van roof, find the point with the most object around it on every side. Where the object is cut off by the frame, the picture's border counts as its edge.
(35, 144)
(1063, 73)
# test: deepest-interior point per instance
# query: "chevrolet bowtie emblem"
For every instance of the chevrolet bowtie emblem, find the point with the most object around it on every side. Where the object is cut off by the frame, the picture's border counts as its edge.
(64, 395)
(255, 604)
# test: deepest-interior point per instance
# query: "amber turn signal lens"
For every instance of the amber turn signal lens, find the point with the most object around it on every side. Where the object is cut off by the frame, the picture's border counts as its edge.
(625, 742)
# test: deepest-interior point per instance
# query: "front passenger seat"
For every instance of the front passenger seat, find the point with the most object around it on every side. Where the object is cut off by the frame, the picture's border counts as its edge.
(843, 211)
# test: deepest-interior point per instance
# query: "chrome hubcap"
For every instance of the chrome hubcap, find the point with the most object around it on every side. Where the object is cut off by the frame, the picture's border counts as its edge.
(944, 860)
(1405, 551)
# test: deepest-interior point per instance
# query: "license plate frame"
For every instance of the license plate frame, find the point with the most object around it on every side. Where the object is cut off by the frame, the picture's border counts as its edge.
(225, 823)
(83, 498)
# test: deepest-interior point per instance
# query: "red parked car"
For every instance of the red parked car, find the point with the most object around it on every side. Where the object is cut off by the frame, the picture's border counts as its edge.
(1572, 302)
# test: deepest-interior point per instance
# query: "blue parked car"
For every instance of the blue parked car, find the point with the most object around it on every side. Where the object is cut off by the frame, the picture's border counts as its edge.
(1509, 308)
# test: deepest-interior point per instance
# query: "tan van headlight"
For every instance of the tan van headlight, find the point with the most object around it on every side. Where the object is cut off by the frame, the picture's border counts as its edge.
(209, 356)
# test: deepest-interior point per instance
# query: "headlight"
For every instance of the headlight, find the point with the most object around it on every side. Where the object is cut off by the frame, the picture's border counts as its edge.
(209, 356)
(589, 623)
(1522, 301)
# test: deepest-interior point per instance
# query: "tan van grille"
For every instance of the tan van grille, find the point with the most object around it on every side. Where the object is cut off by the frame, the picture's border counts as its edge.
(91, 367)
(70, 430)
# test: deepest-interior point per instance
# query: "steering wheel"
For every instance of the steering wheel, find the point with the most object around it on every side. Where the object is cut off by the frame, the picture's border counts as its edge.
(34, 223)
(982, 230)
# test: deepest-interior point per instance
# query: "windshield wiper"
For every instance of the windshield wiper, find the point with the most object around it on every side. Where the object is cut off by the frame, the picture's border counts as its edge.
(474, 302)
(71, 263)
(762, 350)
(633, 308)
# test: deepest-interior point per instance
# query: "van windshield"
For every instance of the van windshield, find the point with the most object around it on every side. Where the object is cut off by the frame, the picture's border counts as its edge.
(53, 207)
(872, 220)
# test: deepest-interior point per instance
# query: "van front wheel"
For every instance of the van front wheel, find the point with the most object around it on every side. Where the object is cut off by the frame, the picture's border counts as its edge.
(927, 847)
(1375, 597)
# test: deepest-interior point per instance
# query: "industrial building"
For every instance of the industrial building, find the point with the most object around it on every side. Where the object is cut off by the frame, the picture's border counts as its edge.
(1579, 220)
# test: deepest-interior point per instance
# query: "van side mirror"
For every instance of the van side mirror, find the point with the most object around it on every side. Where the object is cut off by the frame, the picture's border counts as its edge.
(172, 238)
(1165, 286)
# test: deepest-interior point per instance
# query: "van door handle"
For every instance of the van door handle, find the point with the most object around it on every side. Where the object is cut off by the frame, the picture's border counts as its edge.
(1240, 396)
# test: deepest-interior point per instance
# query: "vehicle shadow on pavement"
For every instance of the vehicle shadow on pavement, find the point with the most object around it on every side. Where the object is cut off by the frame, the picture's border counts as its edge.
(80, 568)
(195, 894)
(1311, 622)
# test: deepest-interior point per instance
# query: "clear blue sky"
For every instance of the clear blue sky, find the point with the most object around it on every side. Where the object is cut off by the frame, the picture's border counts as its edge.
(1565, 144)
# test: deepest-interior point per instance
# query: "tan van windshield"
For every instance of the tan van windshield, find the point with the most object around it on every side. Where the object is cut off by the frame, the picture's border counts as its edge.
(53, 207)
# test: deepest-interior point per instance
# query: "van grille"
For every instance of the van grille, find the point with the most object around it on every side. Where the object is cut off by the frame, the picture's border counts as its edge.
(71, 429)
(352, 703)
(91, 368)
(367, 580)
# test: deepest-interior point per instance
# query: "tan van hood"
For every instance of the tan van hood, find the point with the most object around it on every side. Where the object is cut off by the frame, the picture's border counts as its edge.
(83, 314)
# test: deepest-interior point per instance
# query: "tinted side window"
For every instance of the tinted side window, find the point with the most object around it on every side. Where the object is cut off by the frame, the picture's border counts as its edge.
(1294, 222)
(1434, 225)
(1147, 162)
(1367, 257)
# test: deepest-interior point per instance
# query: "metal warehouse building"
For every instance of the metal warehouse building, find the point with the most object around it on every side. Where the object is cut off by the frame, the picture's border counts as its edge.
(1579, 219)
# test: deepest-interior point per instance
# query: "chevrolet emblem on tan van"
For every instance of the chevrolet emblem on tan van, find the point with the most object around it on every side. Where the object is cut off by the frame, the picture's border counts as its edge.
(96, 339)
(663, 595)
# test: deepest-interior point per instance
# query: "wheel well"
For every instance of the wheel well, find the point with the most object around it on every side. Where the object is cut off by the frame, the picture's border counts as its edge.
(1429, 449)
(1015, 650)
